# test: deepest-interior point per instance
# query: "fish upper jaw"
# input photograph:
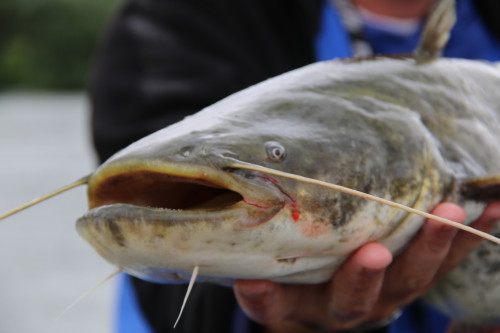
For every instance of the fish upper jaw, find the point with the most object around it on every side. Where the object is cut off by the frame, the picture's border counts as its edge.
(183, 189)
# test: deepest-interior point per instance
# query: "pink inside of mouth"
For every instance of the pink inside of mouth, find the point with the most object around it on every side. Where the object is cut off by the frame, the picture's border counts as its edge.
(158, 190)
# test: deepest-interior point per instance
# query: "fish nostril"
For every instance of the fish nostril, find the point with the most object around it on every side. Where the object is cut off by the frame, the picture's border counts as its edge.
(230, 154)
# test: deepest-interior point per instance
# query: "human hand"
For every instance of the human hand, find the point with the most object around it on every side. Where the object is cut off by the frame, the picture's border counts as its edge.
(367, 287)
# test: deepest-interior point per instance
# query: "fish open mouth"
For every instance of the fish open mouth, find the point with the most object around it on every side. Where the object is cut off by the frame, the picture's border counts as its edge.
(155, 219)
(154, 192)
(159, 190)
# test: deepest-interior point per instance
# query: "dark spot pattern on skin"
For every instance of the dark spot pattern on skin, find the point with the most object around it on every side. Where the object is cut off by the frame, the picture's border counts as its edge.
(367, 186)
(487, 255)
(115, 231)
(494, 268)
(344, 209)
(483, 253)
(97, 227)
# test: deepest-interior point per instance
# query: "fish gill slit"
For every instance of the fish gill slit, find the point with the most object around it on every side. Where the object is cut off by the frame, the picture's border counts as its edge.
(418, 197)
(343, 189)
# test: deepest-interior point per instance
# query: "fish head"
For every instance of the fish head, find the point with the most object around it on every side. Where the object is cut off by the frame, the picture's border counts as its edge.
(174, 200)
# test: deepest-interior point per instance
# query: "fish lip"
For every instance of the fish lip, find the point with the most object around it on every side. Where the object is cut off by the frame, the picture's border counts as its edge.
(254, 192)
(240, 215)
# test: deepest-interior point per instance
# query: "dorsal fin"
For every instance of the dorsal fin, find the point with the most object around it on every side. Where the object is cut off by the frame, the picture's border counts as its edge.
(436, 31)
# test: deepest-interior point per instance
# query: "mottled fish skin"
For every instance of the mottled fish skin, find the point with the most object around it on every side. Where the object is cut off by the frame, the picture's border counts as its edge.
(385, 126)
(411, 131)
(471, 293)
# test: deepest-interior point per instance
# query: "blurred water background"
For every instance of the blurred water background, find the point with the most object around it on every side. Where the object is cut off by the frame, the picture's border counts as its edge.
(46, 50)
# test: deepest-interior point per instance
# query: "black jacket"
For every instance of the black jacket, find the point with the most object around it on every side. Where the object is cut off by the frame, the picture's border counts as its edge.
(161, 60)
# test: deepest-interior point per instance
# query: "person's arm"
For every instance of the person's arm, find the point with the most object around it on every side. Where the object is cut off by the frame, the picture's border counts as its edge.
(162, 60)
(367, 288)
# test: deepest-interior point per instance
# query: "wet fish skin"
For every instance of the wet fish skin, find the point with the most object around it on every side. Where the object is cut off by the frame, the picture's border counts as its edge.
(412, 132)
(386, 126)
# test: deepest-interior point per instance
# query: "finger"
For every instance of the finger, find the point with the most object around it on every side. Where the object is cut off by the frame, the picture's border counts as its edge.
(413, 271)
(356, 285)
(465, 242)
(285, 307)
(262, 300)
(359, 279)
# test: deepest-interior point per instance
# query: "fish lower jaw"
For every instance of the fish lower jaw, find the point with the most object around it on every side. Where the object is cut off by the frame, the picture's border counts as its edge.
(121, 215)
(147, 245)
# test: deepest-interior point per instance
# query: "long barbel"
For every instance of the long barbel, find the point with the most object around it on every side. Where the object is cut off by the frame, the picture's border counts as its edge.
(255, 167)
(79, 182)
(367, 196)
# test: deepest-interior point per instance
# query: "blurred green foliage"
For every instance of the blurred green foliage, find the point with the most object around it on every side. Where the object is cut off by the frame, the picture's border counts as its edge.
(49, 44)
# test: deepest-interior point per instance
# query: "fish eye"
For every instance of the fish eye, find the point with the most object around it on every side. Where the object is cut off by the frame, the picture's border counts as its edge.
(275, 151)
